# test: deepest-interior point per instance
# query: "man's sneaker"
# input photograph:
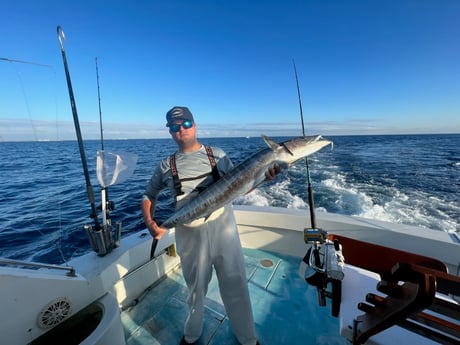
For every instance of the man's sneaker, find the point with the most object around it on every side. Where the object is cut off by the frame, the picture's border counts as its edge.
(183, 342)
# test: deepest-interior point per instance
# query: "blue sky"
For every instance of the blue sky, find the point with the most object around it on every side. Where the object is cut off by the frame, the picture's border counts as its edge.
(365, 67)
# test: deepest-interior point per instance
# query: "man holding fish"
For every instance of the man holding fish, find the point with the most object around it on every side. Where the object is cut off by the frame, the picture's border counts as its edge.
(207, 242)
(204, 183)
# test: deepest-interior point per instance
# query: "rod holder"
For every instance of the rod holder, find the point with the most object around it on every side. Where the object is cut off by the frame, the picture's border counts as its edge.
(117, 235)
(100, 242)
(92, 240)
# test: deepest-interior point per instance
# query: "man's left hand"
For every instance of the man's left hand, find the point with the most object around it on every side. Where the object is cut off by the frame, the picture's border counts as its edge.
(271, 173)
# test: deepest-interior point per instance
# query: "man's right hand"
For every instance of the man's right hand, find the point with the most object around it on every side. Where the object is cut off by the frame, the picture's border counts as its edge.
(156, 231)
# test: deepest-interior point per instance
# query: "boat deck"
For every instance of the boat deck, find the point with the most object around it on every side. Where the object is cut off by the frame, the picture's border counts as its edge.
(285, 308)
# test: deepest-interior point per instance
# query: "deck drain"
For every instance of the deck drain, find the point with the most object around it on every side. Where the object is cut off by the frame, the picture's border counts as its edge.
(266, 263)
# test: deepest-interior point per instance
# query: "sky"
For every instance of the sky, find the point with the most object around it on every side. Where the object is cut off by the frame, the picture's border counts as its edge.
(364, 67)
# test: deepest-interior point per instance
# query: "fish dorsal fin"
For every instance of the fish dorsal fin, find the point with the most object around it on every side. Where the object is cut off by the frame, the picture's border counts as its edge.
(270, 143)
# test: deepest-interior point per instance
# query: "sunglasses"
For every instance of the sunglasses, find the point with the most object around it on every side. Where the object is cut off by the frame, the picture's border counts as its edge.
(175, 127)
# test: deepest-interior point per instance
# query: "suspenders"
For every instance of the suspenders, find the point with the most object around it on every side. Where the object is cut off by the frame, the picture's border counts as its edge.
(212, 161)
(177, 184)
(175, 176)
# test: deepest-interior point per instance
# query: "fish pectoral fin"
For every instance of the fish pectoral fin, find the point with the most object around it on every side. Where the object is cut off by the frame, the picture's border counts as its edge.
(270, 143)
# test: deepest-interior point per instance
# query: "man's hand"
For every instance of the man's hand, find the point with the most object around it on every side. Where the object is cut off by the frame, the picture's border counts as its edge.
(271, 173)
(156, 231)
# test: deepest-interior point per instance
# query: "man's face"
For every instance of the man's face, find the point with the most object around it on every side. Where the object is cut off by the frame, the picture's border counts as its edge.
(183, 132)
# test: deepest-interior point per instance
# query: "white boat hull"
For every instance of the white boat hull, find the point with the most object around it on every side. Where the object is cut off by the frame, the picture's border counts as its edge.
(125, 273)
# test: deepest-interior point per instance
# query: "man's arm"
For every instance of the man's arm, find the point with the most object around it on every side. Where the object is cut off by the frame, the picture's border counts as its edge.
(148, 210)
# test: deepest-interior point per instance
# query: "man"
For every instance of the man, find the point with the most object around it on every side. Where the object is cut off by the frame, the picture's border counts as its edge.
(203, 243)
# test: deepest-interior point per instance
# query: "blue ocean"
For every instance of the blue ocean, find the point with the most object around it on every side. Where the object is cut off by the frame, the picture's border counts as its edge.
(409, 179)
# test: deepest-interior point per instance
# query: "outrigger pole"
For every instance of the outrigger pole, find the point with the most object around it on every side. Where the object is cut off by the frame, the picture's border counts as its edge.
(89, 187)
(311, 201)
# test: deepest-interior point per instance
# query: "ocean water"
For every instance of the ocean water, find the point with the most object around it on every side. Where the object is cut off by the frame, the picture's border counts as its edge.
(410, 179)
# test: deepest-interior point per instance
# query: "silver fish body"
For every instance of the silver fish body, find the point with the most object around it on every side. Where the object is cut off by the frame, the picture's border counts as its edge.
(245, 176)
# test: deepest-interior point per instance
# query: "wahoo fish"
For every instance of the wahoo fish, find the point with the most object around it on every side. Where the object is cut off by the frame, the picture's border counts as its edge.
(245, 177)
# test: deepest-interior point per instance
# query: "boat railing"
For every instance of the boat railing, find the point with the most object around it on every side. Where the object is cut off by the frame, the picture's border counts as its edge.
(27, 264)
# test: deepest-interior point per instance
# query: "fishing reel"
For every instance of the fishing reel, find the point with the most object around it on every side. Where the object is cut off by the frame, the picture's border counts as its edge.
(322, 266)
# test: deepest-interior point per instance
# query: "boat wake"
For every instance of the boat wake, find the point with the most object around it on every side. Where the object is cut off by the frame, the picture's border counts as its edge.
(336, 192)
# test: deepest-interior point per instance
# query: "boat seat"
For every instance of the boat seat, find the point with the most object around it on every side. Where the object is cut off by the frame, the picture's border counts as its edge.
(415, 292)
(418, 290)
(441, 320)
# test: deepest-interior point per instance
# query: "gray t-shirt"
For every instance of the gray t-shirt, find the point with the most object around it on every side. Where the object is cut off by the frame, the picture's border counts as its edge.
(189, 166)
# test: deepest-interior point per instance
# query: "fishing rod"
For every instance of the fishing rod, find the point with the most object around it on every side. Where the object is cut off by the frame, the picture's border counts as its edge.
(321, 264)
(89, 187)
(106, 205)
(320, 281)
(99, 102)
(311, 202)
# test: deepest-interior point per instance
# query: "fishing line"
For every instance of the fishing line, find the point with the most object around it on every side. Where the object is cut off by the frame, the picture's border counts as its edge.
(21, 83)
(25, 62)
(14, 62)
(26, 101)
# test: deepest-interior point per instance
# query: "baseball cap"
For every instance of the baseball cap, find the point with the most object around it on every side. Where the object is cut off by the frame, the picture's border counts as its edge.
(178, 113)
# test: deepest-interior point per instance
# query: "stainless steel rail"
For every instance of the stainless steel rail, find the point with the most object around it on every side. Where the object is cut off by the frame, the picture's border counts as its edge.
(9, 262)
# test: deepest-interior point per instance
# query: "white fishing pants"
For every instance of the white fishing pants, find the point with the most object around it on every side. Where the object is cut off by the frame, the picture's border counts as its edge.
(215, 243)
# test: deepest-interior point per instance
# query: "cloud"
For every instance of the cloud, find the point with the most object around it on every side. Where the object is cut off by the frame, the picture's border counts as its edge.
(39, 130)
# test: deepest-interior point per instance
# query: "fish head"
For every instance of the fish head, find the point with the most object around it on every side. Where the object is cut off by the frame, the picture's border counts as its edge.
(302, 147)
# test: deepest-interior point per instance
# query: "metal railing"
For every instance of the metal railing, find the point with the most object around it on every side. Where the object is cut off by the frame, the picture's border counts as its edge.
(9, 262)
